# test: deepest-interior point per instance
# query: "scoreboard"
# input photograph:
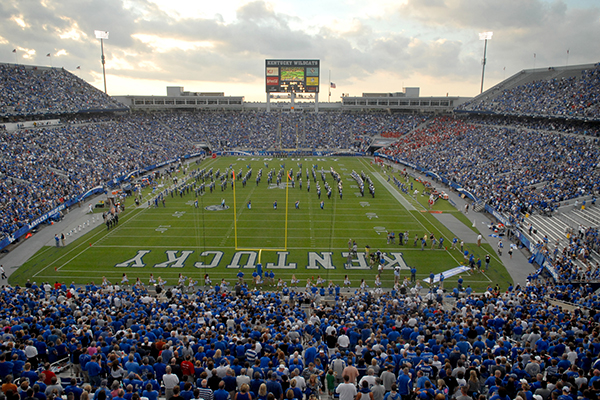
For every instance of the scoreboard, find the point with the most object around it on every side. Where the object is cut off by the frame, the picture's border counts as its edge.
(298, 76)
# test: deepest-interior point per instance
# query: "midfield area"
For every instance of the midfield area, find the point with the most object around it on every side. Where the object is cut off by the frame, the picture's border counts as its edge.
(279, 221)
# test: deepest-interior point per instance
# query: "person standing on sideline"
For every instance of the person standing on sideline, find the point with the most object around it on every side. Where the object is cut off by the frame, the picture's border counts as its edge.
(487, 261)
(479, 237)
(57, 240)
(62, 239)
(2, 272)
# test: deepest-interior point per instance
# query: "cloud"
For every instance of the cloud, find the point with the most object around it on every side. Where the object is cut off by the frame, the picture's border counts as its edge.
(419, 42)
(482, 15)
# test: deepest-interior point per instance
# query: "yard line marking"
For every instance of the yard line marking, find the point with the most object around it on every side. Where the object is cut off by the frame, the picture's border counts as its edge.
(382, 180)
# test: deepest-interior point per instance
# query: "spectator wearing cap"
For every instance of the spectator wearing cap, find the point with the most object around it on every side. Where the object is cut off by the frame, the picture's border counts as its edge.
(566, 393)
(135, 381)
(102, 389)
(281, 371)
(274, 387)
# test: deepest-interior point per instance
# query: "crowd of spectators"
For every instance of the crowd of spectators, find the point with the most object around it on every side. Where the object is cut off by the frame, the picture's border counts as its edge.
(572, 96)
(574, 127)
(514, 170)
(29, 91)
(44, 167)
(276, 131)
(219, 344)
(572, 261)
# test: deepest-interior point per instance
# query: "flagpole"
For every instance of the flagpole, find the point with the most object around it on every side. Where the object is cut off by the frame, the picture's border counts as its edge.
(329, 99)
(567, 57)
(15, 51)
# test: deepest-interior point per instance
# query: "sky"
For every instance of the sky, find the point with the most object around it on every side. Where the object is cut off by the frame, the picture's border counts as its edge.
(364, 46)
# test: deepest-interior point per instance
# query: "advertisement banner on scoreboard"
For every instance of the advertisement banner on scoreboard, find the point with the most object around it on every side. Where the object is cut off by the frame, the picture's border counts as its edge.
(272, 71)
(312, 81)
(312, 71)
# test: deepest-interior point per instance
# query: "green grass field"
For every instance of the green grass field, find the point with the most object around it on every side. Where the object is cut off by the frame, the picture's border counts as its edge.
(308, 241)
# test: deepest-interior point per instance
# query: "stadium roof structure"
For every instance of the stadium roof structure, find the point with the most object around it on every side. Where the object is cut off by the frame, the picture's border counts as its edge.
(367, 102)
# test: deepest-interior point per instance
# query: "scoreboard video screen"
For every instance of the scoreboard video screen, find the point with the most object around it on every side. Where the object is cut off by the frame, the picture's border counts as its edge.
(299, 76)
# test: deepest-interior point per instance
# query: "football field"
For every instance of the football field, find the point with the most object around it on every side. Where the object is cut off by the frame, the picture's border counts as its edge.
(284, 226)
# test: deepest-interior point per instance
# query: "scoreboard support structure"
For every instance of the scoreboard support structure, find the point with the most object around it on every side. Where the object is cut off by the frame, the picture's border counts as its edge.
(292, 101)
(292, 79)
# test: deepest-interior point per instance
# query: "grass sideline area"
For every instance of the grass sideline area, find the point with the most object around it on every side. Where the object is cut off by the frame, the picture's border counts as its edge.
(308, 241)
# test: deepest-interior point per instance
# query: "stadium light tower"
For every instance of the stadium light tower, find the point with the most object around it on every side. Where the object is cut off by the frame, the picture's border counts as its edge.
(102, 35)
(485, 36)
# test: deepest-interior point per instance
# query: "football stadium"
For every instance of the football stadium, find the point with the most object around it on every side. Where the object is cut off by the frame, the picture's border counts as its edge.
(385, 246)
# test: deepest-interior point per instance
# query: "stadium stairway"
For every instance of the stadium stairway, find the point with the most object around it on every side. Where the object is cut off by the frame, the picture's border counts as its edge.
(556, 229)
(590, 216)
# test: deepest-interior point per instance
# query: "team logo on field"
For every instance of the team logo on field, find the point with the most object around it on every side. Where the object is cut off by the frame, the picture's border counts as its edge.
(162, 228)
(216, 207)
(280, 186)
